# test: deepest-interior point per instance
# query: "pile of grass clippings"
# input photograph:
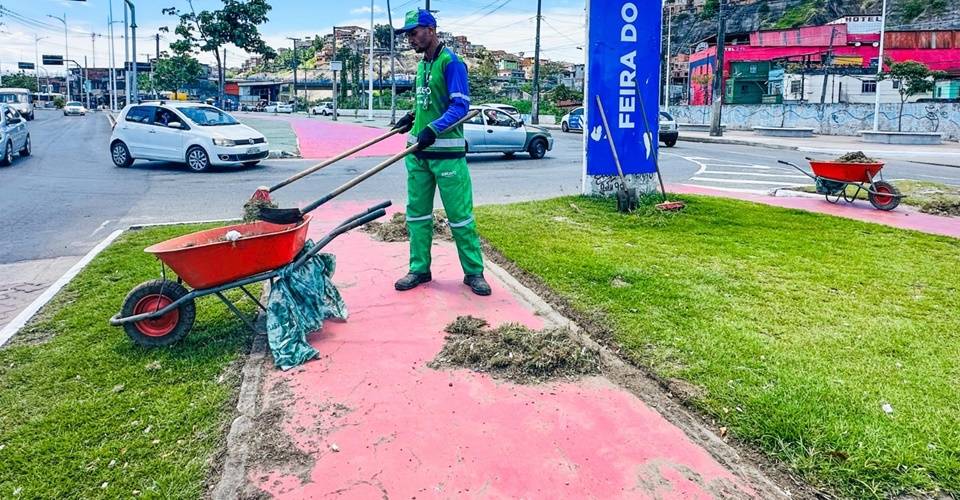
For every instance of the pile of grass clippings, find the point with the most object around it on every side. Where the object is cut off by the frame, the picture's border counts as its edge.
(396, 228)
(251, 209)
(855, 157)
(515, 352)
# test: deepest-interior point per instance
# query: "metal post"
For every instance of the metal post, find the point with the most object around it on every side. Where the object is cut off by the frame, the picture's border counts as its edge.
(36, 41)
(86, 78)
(393, 72)
(823, 89)
(334, 73)
(126, 54)
(876, 97)
(370, 72)
(113, 61)
(715, 129)
(666, 84)
(535, 98)
(133, 48)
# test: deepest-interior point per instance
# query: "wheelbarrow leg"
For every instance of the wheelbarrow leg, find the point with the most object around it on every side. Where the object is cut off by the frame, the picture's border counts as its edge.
(254, 299)
(237, 312)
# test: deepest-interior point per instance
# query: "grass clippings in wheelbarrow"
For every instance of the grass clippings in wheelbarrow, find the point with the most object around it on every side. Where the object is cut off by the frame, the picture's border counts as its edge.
(515, 352)
(251, 209)
(855, 157)
(396, 228)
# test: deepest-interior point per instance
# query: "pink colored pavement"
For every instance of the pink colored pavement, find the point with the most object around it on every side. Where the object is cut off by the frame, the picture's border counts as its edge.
(903, 217)
(322, 139)
(404, 430)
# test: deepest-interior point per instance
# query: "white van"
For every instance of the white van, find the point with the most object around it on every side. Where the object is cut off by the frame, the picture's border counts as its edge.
(18, 99)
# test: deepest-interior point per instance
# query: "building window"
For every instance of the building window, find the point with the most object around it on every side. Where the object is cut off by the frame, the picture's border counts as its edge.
(868, 87)
(896, 84)
(795, 86)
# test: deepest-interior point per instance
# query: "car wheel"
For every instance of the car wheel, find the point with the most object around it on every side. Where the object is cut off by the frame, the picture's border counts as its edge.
(26, 147)
(197, 159)
(670, 143)
(537, 149)
(121, 155)
(250, 164)
(565, 127)
(30, 117)
(7, 157)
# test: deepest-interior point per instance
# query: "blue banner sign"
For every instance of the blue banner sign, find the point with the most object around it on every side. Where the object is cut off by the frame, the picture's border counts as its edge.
(623, 70)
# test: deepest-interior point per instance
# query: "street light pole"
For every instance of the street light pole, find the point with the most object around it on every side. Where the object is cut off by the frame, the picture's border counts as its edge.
(876, 91)
(295, 64)
(370, 72)
(66, 46)
(535, 105)
(333, 72)
(113, 61)
(36, 41)
(133, 47)
(393, 72)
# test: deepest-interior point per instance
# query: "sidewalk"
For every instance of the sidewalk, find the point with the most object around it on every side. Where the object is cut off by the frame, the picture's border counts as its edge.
(903, 217)
(947, 154)
(370, 419)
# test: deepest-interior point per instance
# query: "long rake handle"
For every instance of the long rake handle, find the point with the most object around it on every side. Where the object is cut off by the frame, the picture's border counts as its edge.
(333, 160)
(380, 166)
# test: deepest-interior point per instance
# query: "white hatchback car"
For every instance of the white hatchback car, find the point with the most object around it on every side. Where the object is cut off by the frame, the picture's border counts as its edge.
(74, 108)
(197, 134)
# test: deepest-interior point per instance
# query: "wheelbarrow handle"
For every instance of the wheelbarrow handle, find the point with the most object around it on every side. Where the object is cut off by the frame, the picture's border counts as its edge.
(802, 171)
(351, 223)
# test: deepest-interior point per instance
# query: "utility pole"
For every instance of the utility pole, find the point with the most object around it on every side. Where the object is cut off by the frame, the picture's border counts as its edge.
(86, 78)
(158, 46)
(876, 97)
(829, 59)
(428, 4)
(370, 72)
(393, 73)
(295, 61)
(715, 129)
(223, 80)
(535, 107)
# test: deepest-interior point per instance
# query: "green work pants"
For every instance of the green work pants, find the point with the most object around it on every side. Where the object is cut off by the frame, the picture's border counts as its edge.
(424, 176)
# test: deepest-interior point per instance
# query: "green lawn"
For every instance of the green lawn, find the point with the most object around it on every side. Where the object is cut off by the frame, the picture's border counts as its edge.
(84, 413)
(797, 327)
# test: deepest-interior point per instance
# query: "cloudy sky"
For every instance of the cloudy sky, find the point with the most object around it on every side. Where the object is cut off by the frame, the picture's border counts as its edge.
(498, 24)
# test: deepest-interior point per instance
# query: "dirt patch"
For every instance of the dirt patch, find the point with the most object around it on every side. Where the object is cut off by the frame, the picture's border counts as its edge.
(271, 448)
(941, 205)
(515, 352)
(396, 228)
(251, 209)
(855, 157)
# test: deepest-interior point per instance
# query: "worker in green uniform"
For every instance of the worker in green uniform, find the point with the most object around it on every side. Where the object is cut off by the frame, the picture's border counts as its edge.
(442, 99)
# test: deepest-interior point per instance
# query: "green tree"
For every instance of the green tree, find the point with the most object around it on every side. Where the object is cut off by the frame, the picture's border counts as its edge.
(486, 64)
(209, 30)
(381, 35)
(145, 83)
(20, 81)
(911, 78)
(710, 8)
(176, 73)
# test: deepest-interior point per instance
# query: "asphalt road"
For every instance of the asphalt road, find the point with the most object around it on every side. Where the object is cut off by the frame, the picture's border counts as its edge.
(68, 196)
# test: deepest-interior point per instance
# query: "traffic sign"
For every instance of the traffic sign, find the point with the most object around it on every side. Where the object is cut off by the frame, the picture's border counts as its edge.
(49, 60)
(25, 65)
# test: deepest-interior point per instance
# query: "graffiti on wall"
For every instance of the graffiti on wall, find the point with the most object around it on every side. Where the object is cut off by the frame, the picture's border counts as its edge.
(832, 119)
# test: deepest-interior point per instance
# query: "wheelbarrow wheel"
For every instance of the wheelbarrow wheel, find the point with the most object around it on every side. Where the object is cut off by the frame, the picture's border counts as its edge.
(164, 330)
(885, 196)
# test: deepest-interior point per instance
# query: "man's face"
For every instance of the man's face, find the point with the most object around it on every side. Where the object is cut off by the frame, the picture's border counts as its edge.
(420, 38)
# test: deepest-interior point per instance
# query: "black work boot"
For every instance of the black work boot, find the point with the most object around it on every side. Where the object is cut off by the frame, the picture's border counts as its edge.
(477, 284)
(412, 280)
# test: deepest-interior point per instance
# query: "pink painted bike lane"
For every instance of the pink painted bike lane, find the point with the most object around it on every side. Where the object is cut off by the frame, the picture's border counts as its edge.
(323, 139)
(376, 422)
(903, 217)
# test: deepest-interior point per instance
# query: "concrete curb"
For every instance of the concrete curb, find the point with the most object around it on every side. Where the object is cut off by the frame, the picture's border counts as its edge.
(27, 314)
(737, 142)
(233, 478)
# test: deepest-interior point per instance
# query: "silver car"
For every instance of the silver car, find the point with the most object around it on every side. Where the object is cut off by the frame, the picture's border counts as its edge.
(14, 136)
(496, 131)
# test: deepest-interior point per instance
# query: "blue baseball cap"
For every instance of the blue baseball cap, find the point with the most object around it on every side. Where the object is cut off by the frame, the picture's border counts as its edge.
(417, 17)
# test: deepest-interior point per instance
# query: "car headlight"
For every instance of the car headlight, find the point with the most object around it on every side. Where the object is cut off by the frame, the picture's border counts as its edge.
(224, 142)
